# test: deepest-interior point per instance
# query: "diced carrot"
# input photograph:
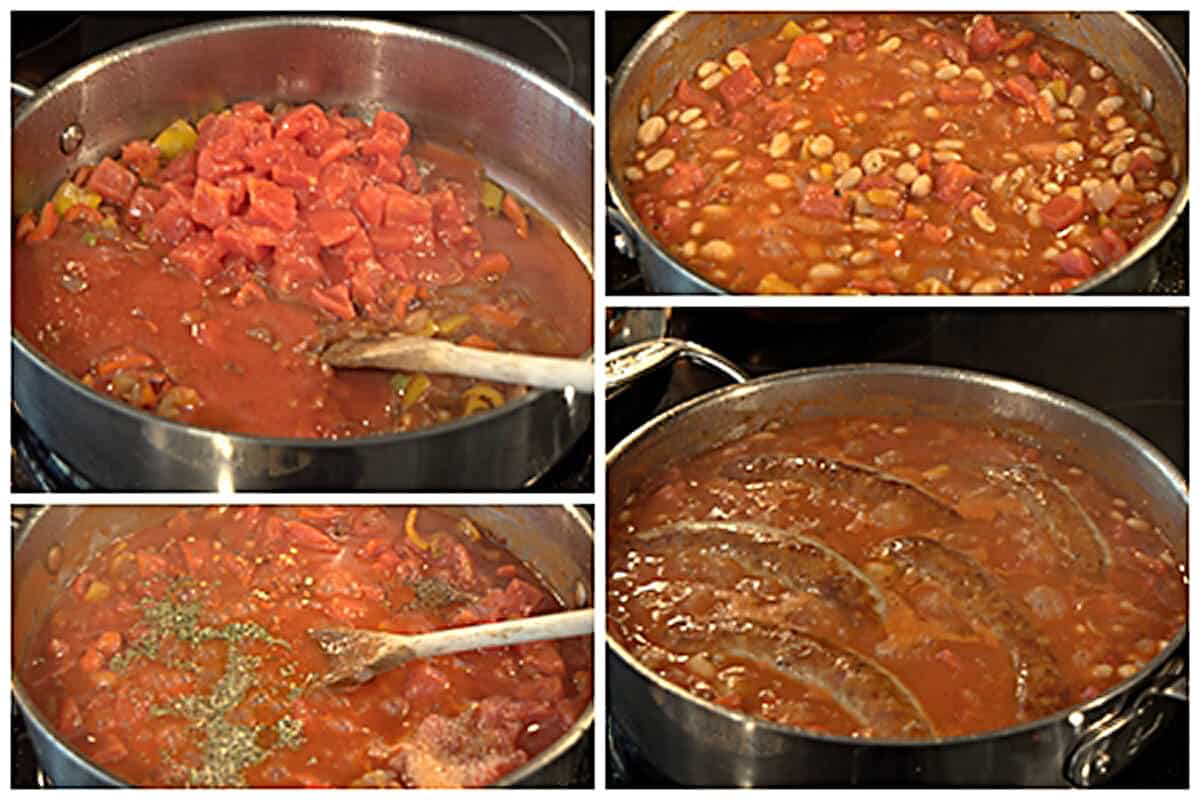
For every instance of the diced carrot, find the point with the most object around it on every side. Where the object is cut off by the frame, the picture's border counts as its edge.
(512, 209)
(740, 87)
(1019, 40)
(804, 52)
(958, 94)
(121, 359)
(482, 342)
(47, 225)
(81, 212)
(496, 315)
(1062, 211)
(25, 226)
(1038, 66)
(492, 264)
(1044, 112)
(1020, 89)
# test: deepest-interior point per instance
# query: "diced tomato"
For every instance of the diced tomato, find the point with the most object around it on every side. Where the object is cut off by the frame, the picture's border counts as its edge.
(332, 226)
(984, 39)
(1140, 163)
(271, 204)
(370, 203)
(393, 123)
(253, 242)
(84, 213)
(120, 359)
(405, 208)
(692, 96)
(250, 293)
(150, 564)
(1109, 247)
(938, 234)
(172, 222)
(855, 42)
(309, 118)
(739, 87)
(92, 660)
(969, 201)
(1020, 89)
(296, 169)
(820, 200)
(850, 22)
(211, 205)
(181, 168)
(687, 179)
(141, 157)
(386, 145)
(805, 51)
(304, 535)
(426, 684)
(1062, 211)
(46, 226)
(543, 657)
(25, 226)
(1038, 67)
(196, 552)
(951, 180)
(200, 254)
(1076, 263)
(108, 749)
(335, 300)
(112, 181)
(335, 150)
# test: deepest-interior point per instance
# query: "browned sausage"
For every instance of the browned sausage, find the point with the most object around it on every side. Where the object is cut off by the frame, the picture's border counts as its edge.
(1041, 689)
(864, 689)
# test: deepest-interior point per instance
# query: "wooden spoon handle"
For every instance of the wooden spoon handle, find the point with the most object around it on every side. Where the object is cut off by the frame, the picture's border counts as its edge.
(421, 354)
(496, 634)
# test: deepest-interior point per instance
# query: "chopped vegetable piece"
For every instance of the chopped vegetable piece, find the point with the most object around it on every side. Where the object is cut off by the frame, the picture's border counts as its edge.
(490, 196)
(178, 137)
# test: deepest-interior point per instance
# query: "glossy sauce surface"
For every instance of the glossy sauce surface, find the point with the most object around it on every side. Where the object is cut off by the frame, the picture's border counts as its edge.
(910, 153)
(179, 656)
(898, 579)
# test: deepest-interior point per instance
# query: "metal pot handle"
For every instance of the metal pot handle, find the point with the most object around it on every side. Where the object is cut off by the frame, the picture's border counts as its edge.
(625, 237)
(622, 367)
(1115, 738)
(22, 91)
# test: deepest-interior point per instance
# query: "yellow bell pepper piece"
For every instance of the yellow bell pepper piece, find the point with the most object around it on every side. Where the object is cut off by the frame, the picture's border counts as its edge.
(790, 30)
(68, 195)
(416, 387)
(450, 324)
(176, 138)
(410, 530)
(490, 196)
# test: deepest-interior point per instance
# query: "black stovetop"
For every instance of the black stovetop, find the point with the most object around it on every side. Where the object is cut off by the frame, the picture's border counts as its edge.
(1129, 363)
(622, 276)
(46, 44)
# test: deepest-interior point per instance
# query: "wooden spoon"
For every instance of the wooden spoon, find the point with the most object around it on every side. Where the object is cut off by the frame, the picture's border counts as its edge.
(357, 656)
(423, 354)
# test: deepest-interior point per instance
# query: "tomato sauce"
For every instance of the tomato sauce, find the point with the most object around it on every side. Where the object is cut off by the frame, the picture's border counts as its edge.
(179, 655)
(900, 153)
(897, 579)
(203, 285)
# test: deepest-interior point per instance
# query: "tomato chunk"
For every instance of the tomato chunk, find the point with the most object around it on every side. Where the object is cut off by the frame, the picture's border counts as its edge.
(740, 87)
(1062, 211)
(984, 40)
(1075, 262)
(805, 52)
(820, 200)
(112, 181)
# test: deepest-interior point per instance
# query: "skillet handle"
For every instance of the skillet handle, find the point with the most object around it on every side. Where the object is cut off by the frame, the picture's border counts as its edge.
(622, 367)
(1110, 742)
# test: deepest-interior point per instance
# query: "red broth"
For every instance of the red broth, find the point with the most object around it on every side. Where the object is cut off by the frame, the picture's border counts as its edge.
(897, 579)
(203, 286)
(179, 655)
(910, 153)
